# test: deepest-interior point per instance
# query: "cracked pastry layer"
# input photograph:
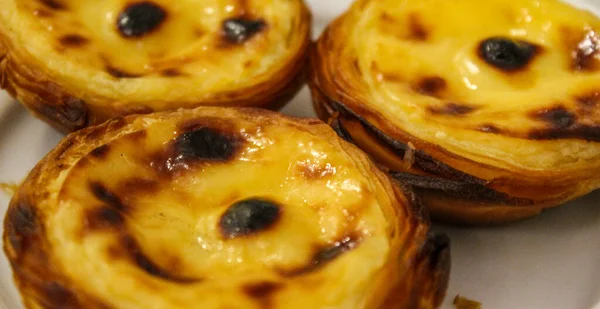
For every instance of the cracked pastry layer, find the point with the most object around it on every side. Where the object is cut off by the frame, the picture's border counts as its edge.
(219, 208)
(79, 63)
(490, 110)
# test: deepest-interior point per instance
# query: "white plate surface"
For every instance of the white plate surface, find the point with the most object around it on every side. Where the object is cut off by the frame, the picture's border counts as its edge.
(552, 261)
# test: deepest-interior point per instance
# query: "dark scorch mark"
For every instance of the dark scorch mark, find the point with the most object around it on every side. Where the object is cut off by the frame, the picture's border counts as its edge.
(206, 144)
(134, 251)
(262, 292)
(452, 109)
(118, 73)
(100, 152)
(324, 256)
(105, 195)
(507, 54)
(240, 29)
(21, 225)
(430, 86)
(557, 117)
(139, 19)
(73, 40)
(104, 218)
(248, 217)
(53, 4)
(418, 32)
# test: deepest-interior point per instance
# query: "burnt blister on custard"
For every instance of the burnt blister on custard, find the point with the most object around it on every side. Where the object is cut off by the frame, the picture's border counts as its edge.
(103, 194)
(53, 4)
(557, 117)
(104, 218)
(140, 259)
(249, 217)
(73, 40)
(324, 255)
(206, 144)
(140, 18)
(262, 292)
(431, 86)
(507, 54)
(240, 29)
(22, 225)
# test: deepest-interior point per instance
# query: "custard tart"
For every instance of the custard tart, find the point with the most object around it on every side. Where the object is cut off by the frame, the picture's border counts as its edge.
(490, 109)
(218, 208)
(79, 63)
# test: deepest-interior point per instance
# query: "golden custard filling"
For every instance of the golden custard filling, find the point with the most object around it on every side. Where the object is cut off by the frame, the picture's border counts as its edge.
(510, 84)
(239, 212)
(175, 49)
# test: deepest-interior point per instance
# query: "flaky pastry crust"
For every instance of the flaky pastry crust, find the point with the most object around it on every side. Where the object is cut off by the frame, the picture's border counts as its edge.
(219, 208)
(489, 109)
(79, 63)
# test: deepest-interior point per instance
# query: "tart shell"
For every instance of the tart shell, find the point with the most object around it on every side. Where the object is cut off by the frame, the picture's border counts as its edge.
(412, 272)
(70, 95)
(457, 186)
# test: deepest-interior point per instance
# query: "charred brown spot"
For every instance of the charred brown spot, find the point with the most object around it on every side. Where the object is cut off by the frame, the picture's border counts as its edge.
(56, 295)
(436, 251)
(22, 224)
(262, 292)
(489, 128)
(118, 73)
(586, 56)
(583, 132)
(75, 111)
(139, 19)
(73, 40)
(418, 31)
(143, 262)
(507, 54)
(434, 248)
(100, 152)
(249, 217)
(452, 109)
(104, 218)
(53, 4)
(329, 254)
(72, 114)
(431, 86)
(326, 255)
(171, 72)
(238, 30)
(563, 124)
(588, 101)
(206, 143)
(103, 194)
(557, 117)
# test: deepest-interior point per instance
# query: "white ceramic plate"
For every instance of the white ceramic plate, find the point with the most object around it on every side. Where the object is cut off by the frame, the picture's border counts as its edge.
(552, 261)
